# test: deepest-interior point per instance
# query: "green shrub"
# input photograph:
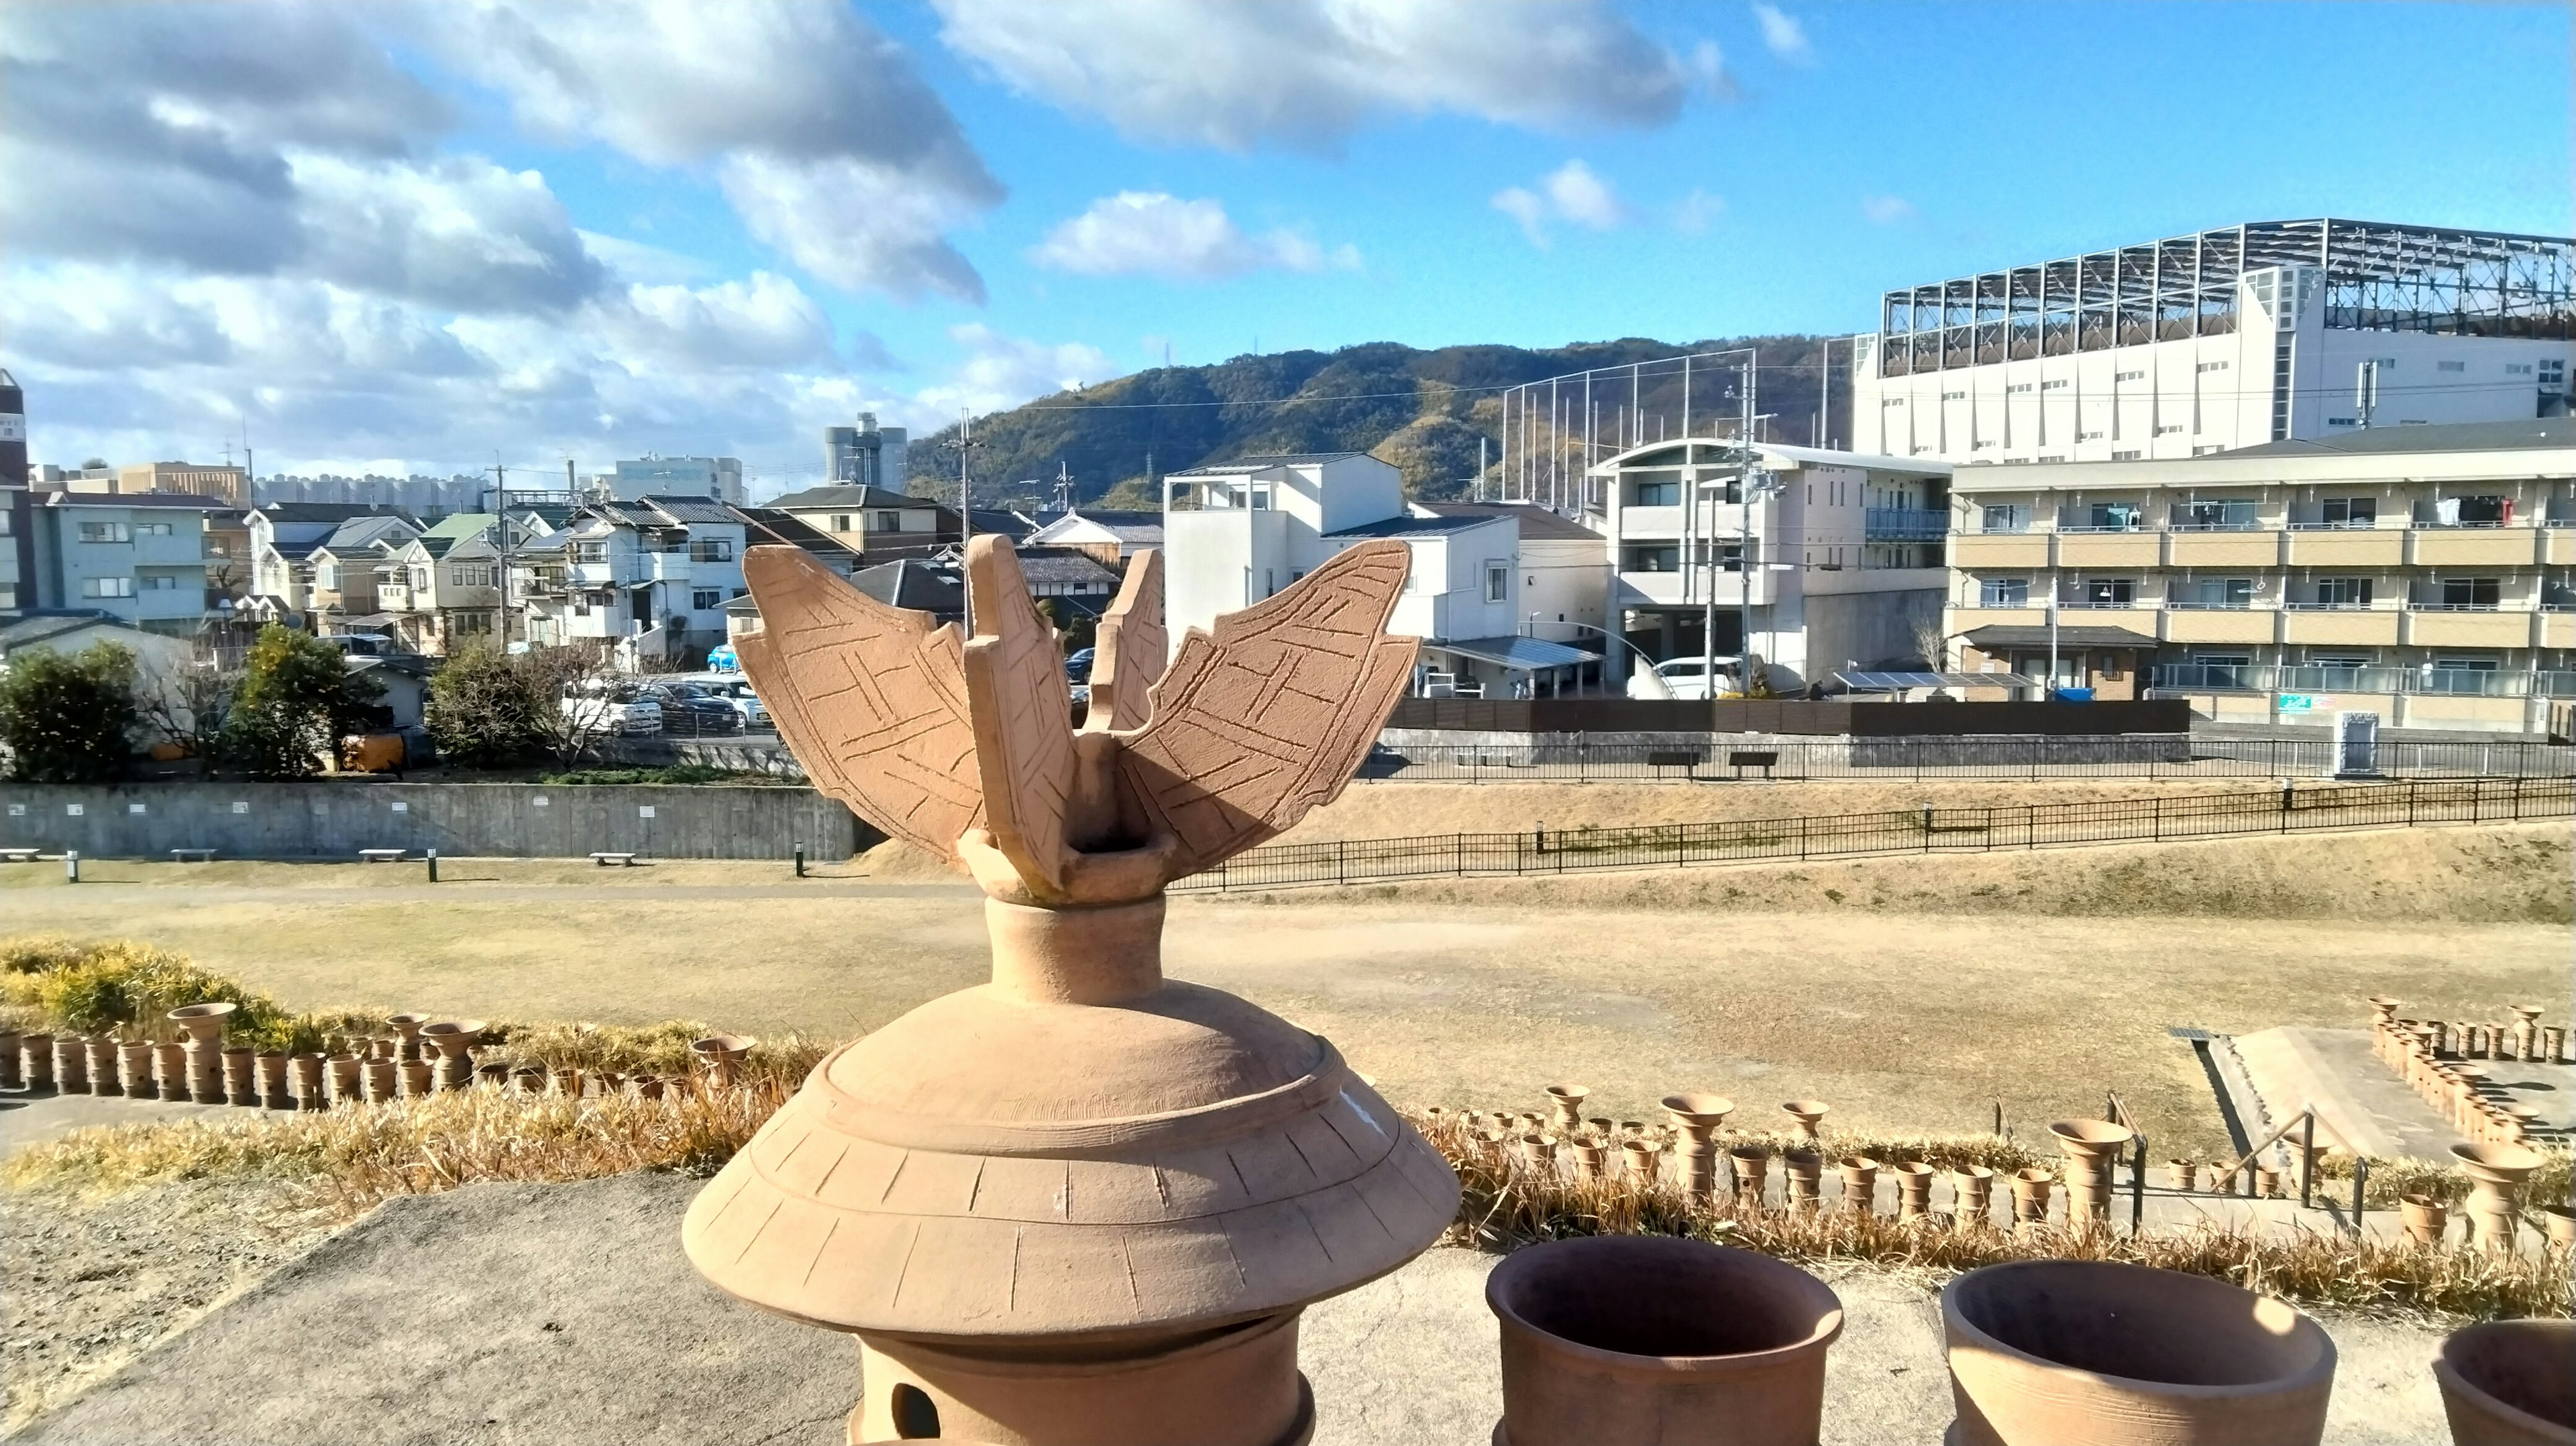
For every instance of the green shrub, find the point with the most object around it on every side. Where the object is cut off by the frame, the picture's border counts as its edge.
(486, 708)
(69, 719)
(131, 988)
(297, 698)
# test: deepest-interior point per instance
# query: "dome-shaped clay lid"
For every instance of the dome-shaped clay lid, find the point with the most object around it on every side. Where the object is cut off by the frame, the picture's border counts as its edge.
(989, 1166)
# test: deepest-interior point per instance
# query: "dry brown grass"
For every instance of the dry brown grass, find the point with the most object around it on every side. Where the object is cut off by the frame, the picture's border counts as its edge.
(1506, 1201)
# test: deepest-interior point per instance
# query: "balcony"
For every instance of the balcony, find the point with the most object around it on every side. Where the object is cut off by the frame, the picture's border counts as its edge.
(1999, 550)
(2440, 682)
(2216, 547)
(1904, 524)
(2473, 546)
(2345, 547)
(2487, 626)
(2109, 548)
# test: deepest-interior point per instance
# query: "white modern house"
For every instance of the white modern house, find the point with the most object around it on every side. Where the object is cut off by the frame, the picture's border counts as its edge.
(652, 576)
(1238, 532)
(1847, 554)
(2271, 331)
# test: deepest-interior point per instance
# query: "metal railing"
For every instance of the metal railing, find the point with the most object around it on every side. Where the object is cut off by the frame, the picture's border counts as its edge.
(1901, 524)
(2108, 756)
(1925, 830)
(2446, 682)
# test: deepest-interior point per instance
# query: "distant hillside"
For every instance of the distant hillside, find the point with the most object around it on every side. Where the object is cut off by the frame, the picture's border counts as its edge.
(1423, 411)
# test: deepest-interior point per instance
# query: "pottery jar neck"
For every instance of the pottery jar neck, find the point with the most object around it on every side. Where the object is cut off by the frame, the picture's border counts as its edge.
(1106, 955)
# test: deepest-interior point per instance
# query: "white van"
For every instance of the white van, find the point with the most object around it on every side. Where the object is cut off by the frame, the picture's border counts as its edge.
(1687, 678)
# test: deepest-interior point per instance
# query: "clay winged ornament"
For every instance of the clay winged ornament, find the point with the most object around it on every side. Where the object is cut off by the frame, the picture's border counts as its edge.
(967, 749)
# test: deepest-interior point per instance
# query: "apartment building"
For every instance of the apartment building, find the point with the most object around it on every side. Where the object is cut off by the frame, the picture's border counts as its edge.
(1847, 554)
(140, 559)
(2193, 345)
(2427, 574)
(654, 475)
(1238, 532)
(223, 482)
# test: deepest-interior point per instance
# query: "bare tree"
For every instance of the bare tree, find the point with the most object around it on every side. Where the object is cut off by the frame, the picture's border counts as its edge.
(1931, 642)
(572, 682)
(184, 702)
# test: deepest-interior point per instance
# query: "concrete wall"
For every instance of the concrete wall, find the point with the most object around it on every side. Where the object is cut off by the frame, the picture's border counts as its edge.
(336, 819)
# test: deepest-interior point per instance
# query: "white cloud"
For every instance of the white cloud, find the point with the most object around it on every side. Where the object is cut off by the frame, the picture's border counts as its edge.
(821, 134)
(1572, 193)
(1886, 210)
(1151, 233)
(1003, 371)
(1307, 73)
(1693, 212)
(1783, 34)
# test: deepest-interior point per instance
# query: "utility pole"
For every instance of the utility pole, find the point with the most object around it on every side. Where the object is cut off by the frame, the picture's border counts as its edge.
(501, 509)
(965, 513)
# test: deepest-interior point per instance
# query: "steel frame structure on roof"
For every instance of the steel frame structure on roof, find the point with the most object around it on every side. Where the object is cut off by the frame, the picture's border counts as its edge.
(2377, 277)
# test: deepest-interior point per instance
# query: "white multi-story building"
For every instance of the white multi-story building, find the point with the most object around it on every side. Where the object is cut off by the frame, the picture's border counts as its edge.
(652, 577)
(2224, 339)
(1847, 553)
(1237, 532)
(654, 475)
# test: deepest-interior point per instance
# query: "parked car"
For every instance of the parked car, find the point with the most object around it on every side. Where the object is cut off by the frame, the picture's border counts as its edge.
(1077, 665)
(1687, 678)
(613, 707)
(735, 690)
(692, 710)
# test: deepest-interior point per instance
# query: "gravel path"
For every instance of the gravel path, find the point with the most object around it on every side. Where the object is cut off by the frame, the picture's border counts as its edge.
(86, 1286)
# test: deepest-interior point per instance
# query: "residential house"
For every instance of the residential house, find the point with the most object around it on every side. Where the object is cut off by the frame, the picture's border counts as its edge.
(768, 527)
(1847, 554)
(161, 658)
(1564, 566)
(2423, 573)
(1075, 579)
(651, 576)
(347, 567)
(444, 586)
(1112, 537)
(282, 537)
(880, 525)
(1240, 531)
(140, 558)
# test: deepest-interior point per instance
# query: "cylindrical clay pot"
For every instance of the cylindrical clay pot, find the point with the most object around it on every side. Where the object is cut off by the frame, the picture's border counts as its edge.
(1637, 1340)
(2087, 1353)
(273, 1093)
(36, 1060)
(11, 1077)
(171, 1065)
(71, 1064)
(241, 1077)
(134, 1069)
(102, 1065)
(2510, 1383)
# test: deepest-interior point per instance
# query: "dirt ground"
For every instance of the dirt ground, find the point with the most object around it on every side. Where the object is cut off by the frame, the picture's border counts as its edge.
(1913, 993)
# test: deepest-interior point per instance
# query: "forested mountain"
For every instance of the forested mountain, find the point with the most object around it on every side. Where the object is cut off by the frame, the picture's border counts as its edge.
(1420, 410)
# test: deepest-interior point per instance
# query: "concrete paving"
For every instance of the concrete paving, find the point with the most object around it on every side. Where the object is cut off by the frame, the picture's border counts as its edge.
(28, 1116)
(567, 1315)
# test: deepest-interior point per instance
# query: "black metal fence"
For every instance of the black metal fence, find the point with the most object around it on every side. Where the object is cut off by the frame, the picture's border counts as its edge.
(1902, 831)
(2137, 756)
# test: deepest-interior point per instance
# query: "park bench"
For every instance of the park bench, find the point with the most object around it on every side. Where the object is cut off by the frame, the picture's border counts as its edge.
(604, 858)
(192, 856)
(1673, 758)
(383, 856)
(1744, 758)
(17, 856)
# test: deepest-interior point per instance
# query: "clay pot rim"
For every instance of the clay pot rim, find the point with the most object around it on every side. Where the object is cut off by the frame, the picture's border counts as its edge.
(2421, 1201)
(447, 1027)
(2094, 1136)
(1974, 1172)
(1828, 1329)
(1748, 1152)
(1574, 1092)
(1856, 1162)
(722, 1044)
(2035, 1176)
(1698, 1109)
(414, 1020)
(2514, 1161)
(2319, 1372)
(1806, 1107)
(1915, 1168)
(242, 1049)
(216, 1009)
(2450, 1379)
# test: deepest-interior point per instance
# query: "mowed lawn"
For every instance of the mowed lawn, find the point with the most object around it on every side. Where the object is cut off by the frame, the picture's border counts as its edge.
(1914, 1022)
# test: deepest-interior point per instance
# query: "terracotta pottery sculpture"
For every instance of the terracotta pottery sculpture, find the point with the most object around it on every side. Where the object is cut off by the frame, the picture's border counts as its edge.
(1641, 1156)
(1589, 1155)
(308, 1083)
(2267, 1183)
(2030, 1198)
(720, 1058)
(2424, 1217)
(102, 1065)
(648, 1086)
(1860, 1183)
(270, 1070)
(414, 1078)
(382, 1080)
(170, 1069)
(2495, 1173)
(407, 1028)
(1913, 1189)
(2178, 1174)
(36, 1060)
(1807, 1113)
(567, 1083)
(2087, 1353)
(452, 1041)
(2510, 1383)
(205, 1066)
(1640, 1340)
(1568, 1103)
(1973, 1194)
(1080, 1204)
(347, 1085)
(134, 1069)
(70, 1064)
(530, 1079)
(2558, 1223)
(1538, 1152)
(2526, 1030)
(2091, 1148)
(2553, 1042)
(1697, 1117)
(12, 1076)
(1750, 1164)
(241, 1077)
(1805, 1172)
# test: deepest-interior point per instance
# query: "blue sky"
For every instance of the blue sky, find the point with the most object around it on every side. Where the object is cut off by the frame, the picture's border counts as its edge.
(537, 230)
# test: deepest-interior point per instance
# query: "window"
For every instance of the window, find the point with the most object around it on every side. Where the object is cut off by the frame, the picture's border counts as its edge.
(2088, 436)
(158, 582)
(2471, 592)
(2216, 366)
(2216, 592)
(2052, 456)
(2343, 592)
(2168, 429)
(2006, 517)
(470, 577)
(2230, 516)
(2343, 421)
(2016, 387)
(707, 599)
(2474, 511)
(590, 551)
(2115, 516)
(840, 522)
(1498, 582)
(2116, 592)
(2511, 369)
(1655, 557)
(2464, 665)
(715, 549)
(2450, 366)
(2052, 386)
(1954, 396)
(105, 532)
(327, 575)
(154, 529)
(1659, 494)
(2129, 456)
(2137, 376)
(472, 622)
(887, 521)
(107, 587)
(2349, 512)
(2004, 592)
(215, 546)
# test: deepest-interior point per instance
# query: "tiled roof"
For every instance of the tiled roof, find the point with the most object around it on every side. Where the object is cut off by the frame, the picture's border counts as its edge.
(849, 495)
(915, 585)
(1064, 568)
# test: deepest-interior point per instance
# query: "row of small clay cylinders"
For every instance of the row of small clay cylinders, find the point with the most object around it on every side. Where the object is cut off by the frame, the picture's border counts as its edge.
(2183, 1175)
